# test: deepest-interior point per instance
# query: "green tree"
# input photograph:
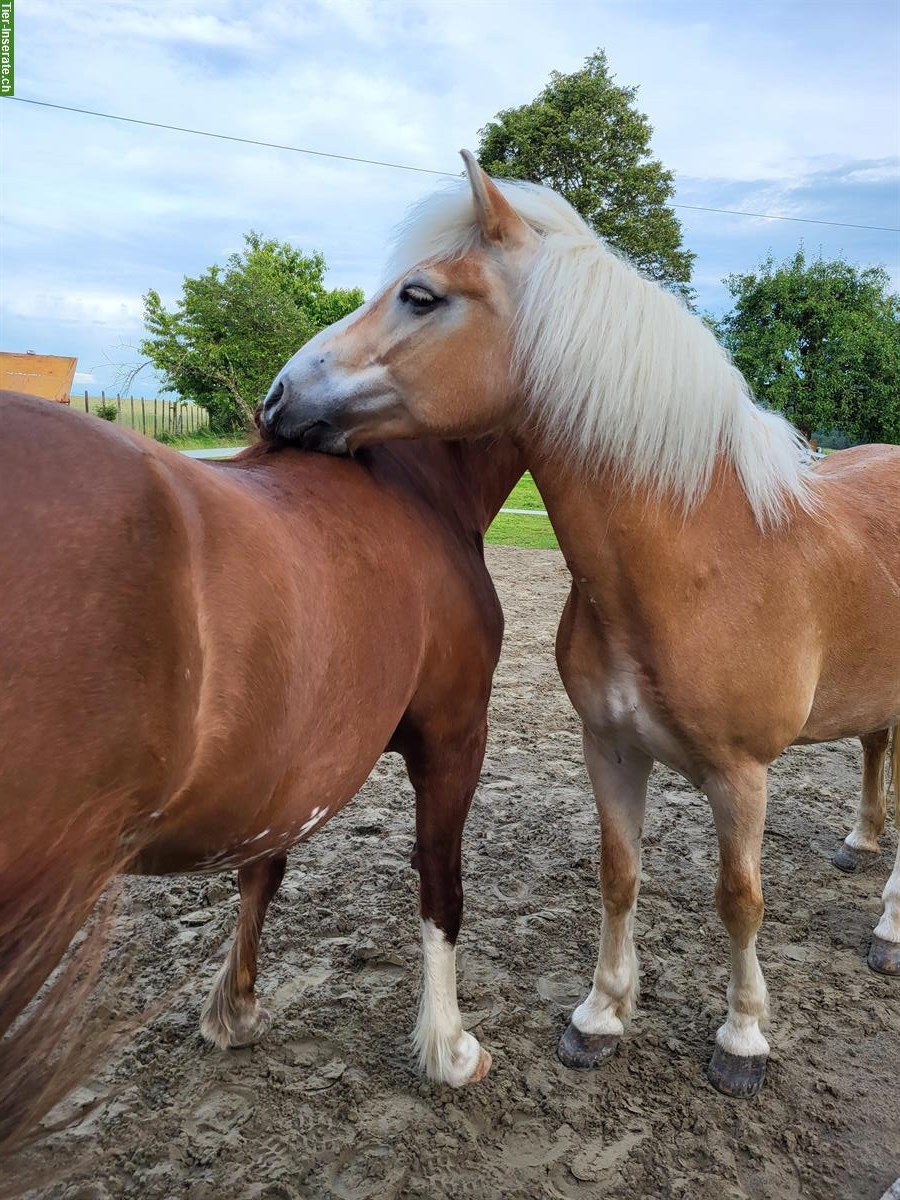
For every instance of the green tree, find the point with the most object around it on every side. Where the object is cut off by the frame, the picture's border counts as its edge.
(234, 327)
(584, 137)
(820, 342)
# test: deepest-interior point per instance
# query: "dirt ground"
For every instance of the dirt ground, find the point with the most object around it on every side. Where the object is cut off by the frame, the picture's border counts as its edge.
(329, 1105)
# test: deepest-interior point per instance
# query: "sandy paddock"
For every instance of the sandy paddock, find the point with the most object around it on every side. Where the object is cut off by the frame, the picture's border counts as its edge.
(329, 1106)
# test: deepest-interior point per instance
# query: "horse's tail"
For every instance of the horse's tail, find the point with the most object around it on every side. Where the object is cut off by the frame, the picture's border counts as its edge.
(895, 772)
(47, 889)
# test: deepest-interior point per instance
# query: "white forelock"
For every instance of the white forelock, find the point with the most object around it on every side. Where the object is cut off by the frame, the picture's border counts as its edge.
(617, 370)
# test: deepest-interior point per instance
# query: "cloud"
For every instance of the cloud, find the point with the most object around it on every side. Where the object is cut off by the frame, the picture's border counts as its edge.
(754, 107)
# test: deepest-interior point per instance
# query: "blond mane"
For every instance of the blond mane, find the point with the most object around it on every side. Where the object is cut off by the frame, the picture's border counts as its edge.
(616, 369)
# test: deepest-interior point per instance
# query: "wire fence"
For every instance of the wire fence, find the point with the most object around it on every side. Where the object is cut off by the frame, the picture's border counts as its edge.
(169, 418)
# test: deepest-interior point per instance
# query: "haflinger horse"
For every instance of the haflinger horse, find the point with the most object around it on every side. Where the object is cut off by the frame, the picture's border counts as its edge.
(727, 601)
(199, 667)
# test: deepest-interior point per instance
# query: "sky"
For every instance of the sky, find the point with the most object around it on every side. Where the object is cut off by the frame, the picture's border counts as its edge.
(788, 107)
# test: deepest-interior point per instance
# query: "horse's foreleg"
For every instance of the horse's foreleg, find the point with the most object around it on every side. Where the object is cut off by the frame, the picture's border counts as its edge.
(232, 1015)
(444, 777)
(619, 779)
(861, 843)
(738, 1063)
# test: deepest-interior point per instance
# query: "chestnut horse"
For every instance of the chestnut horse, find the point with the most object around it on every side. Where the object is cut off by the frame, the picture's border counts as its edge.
(727, 599)
(199, 667)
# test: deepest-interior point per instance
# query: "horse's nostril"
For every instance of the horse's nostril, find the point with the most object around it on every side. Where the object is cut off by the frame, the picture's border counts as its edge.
(276, 391)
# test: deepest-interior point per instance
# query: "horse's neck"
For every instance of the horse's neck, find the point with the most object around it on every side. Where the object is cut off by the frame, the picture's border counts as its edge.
(493, 466)
(621, 537)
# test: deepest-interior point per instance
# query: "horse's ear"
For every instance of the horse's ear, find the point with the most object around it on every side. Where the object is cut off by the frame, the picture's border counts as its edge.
(497, 219)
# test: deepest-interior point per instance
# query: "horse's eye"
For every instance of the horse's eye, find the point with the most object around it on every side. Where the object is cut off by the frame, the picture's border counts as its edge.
(418, 296)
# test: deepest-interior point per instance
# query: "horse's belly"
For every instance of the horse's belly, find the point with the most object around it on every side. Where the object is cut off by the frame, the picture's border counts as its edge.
(858, 693)
(208, 828)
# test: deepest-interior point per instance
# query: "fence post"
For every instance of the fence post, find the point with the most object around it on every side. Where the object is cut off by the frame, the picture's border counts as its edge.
(86, 406)
(143, 418)
(132, 412)
(118, 407)
(154, 415)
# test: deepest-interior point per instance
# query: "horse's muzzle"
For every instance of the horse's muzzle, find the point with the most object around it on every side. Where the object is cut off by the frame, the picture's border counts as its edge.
(277, 418)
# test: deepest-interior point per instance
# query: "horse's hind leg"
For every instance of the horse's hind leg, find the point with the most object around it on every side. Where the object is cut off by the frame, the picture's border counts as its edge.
(861, 844)
(444, 773)
(620, 790)
(738, 1064)
(232, 1015)
(884, 952)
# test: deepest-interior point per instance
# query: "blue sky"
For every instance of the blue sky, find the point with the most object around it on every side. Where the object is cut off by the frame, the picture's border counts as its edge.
(790, 107)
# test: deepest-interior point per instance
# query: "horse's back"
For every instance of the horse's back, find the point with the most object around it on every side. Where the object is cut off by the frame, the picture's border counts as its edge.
(859, 495)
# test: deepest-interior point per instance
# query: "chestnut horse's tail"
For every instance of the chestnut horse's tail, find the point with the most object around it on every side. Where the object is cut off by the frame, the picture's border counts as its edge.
(895, 772)
(46, 891)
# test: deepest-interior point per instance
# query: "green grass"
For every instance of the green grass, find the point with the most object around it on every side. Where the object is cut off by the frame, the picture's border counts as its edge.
(525, 495)
(530, 533)
(204, 440)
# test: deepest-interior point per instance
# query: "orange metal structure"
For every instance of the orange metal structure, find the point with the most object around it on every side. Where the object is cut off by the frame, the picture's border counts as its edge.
(46, 375)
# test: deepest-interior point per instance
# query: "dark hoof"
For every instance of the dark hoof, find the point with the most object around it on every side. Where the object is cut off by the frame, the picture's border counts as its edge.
(847, 858)
(585, 1050)
(884, 957)
(736, 1074)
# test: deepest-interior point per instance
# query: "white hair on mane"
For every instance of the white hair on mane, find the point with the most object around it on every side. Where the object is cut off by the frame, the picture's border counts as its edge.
(616, 369)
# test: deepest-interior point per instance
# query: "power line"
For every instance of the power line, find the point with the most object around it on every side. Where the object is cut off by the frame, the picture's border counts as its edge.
(227, 137)
(376, 162)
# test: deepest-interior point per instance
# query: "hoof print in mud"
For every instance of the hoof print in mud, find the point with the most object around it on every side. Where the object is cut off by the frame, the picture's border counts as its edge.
(585, 1050)
(849, 859)
(884, 957)
(736, 1075)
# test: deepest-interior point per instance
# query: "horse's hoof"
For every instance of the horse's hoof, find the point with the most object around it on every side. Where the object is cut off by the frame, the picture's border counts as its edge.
(246, 1030)
(585, 1050)
(251, 1029)
(849, 859)
(884, 956)
(737, 1075)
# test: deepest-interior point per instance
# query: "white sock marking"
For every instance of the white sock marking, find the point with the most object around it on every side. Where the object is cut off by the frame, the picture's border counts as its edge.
(889, 925)
(446, 1052)
(615, 989)
(748, 1004)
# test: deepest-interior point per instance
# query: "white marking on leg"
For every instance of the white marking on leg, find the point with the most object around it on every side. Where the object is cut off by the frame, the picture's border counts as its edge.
(888, 927)
(446, 1052)
(859, 839)
(614, 993)
(748, 1005)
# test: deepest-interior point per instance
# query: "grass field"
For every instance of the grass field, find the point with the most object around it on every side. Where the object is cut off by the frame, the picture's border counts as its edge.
(513, 529)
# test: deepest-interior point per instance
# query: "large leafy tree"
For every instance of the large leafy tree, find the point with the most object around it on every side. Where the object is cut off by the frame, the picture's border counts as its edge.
(234, 327)
(820, 342)
(585, 137)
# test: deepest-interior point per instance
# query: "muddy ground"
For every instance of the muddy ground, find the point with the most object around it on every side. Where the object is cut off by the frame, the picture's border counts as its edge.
(329, 1104)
